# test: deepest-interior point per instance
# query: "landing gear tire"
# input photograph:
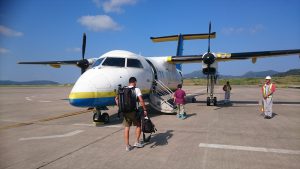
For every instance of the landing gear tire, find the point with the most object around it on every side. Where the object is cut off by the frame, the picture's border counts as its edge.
(208, 101)
(98, 117)
(105, 118)
(215, 101)
(193, 100)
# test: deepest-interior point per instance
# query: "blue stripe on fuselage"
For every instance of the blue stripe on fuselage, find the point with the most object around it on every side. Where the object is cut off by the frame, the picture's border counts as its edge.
(96, 102)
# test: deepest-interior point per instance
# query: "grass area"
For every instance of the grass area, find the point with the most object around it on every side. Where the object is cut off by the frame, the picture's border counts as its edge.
(279, 81)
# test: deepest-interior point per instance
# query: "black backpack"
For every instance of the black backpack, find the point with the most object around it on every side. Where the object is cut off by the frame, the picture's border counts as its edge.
(127, 99)
(147, 127)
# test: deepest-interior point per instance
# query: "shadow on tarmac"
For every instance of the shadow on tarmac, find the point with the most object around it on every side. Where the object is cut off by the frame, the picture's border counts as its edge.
(160, 139)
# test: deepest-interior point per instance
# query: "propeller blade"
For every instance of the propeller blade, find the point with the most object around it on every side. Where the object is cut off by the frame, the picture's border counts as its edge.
(83, 45)
(208, 51)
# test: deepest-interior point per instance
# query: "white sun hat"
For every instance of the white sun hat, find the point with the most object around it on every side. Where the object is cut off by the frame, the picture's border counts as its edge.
(268, 77)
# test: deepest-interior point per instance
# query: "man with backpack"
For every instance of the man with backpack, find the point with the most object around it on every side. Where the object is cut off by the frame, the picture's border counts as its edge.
(127, 100)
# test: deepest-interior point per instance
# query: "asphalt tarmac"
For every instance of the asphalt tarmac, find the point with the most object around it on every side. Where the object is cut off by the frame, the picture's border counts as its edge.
(40, 129)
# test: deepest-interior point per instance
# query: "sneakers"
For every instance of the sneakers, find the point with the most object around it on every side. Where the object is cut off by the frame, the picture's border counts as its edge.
(129, 147)
(138, 145)
(181, 116)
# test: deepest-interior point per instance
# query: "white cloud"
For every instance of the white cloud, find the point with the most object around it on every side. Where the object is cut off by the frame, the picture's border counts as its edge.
(113, 5)
(9, 32)
(257, 28)
(4, 51)
(99, 23)
(242, 30)
(73, 49)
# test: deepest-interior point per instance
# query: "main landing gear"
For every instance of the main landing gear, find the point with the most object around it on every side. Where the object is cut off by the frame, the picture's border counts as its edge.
(99, 116)
(210, 101)
(211, 80)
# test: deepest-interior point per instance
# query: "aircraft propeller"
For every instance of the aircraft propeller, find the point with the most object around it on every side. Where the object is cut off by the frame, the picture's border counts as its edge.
(209, 58)
(84, 63)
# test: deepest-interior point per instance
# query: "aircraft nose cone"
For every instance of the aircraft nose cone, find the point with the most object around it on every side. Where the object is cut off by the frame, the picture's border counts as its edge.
(89, 89)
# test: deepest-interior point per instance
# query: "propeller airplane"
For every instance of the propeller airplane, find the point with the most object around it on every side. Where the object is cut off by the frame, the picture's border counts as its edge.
(157, 76)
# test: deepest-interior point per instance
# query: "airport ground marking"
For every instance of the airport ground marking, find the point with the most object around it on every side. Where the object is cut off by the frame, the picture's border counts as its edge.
(44, 120)
(246, 148)
(52, 136)
(45, 101)
(93, 125)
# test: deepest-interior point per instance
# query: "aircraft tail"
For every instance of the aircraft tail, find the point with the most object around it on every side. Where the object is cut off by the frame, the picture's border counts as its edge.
(179, 38)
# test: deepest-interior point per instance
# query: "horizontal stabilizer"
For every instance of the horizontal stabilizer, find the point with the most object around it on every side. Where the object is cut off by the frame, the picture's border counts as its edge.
(185, 37)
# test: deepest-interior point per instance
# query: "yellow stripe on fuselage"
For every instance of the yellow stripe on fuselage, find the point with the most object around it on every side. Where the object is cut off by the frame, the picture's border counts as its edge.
(83, 95)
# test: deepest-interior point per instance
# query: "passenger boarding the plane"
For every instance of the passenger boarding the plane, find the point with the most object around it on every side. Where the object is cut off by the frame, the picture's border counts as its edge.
(180, 101)
(133, 117)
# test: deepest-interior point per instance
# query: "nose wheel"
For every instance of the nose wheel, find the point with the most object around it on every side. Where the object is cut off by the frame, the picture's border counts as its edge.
(99, 116)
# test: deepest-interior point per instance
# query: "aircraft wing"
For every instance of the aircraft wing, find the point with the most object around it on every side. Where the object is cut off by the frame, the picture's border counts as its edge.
(260, 54)
(57, 64)
(233, 56)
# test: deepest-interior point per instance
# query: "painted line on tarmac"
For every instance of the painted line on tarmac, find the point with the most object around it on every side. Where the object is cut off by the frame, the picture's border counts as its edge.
(245, 148)
(45, 119)
(93, 125)
(53, 136)
(274, 104)
(28, 99)
(45, 101)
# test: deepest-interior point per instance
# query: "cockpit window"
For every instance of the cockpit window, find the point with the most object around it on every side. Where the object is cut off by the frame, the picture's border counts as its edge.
(134, 63)
(119, 62)
(98, 62)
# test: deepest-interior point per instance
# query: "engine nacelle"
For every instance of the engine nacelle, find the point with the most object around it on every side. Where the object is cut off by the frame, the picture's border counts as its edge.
(212, 69)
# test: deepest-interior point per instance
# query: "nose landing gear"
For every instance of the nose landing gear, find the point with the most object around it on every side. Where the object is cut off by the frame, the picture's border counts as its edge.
(99, 116)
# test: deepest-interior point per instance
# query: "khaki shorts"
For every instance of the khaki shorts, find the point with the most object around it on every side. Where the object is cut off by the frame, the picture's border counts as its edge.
(131, 118)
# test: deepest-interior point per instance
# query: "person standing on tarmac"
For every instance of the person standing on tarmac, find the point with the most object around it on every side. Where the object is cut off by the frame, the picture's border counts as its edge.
(268, 90)
(132, 119)
(227, 89)
(179, 100)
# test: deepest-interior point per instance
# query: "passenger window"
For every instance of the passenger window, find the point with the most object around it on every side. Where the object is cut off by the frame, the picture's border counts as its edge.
(134, 63)
(119, 62)
(98, 62)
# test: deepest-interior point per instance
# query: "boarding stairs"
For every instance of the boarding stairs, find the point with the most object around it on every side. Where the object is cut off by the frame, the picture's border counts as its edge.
(161, 97)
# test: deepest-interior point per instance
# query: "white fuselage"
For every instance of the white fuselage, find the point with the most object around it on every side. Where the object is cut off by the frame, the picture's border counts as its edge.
(97, 87)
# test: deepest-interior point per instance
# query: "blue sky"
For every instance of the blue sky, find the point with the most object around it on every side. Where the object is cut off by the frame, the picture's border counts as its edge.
(42, 30)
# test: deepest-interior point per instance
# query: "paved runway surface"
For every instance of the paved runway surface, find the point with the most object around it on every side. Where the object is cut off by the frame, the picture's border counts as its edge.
(39, 129)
